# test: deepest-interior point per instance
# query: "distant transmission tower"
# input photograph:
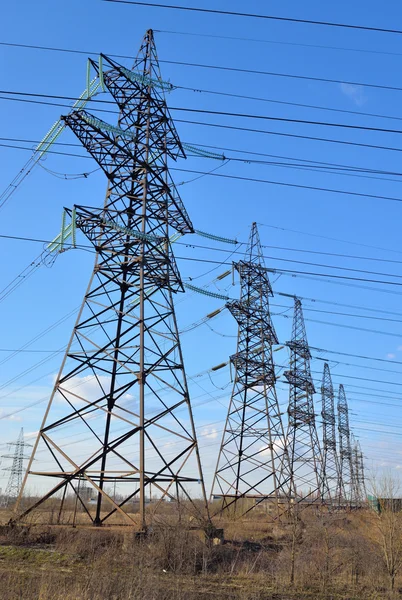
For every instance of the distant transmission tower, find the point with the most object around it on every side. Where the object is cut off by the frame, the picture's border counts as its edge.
(304, 447)
(16, 470)
(359, 484)
(331, 474)
(346, 488)
(361, 479)
(122, 385)
(252, 464)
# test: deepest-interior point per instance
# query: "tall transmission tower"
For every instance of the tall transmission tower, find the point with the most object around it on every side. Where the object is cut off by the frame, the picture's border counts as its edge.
(302, 439)
(330, 467)
(252, 464)
(122, 390)
(16, 470)
(346, 488)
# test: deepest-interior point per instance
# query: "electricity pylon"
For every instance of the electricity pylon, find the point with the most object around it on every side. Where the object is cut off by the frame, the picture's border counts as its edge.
(252, 463)
(360, 476)
(122, 390)
(359, 485)
(16, 470)
(346, 491)
(304, 449)
(331, 475)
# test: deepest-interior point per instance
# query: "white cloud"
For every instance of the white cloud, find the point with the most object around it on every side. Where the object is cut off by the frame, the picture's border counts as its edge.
(354, 92)
(278, 446)
(88, 388)
(391, 355)
(210, 433)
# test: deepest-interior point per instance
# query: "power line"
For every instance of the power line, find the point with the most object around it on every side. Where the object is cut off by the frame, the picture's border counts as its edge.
(215, 92)
(290, 135)
(28, 239)
(217, 262)
(293, 185)
(289, 260)
(284, 119)
(330, 312)
(282, 75)
(256, 16)
(217, 112)
(276, 42)
(326, 237)
(362, 356)
(256, 180)
(314, 166)
(354, 327)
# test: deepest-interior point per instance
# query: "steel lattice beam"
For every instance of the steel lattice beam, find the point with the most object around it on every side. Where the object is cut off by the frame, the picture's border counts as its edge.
(122, 382)
(252, 465)
(302, 439)
(331, 468)
(346, 488)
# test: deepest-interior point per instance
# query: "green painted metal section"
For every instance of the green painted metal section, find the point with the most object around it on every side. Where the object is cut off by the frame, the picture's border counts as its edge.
(57, 245)
(194, 288)
(166, 86)
(203, 152)
(217, 238)
(57, 128)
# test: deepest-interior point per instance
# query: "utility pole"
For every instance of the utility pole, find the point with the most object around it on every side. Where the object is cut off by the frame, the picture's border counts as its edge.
(305, 456)
(252, 464)
(122, 381)
(331, 474)
(346, 491)
(16, 470)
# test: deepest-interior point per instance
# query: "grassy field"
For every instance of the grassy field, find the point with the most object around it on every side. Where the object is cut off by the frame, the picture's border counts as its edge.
(316, 556)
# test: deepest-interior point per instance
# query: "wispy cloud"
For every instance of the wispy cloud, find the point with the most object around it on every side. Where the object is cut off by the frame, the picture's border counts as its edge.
(354, 92)
(4, 415)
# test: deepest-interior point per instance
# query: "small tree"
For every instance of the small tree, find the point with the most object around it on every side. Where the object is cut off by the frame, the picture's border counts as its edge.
(388, 525)
(296, 537)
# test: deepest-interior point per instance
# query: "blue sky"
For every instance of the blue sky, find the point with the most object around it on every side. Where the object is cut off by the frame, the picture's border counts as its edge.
(223, 206)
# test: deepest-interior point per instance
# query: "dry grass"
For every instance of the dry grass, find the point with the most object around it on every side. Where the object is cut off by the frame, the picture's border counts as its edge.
(336, 557)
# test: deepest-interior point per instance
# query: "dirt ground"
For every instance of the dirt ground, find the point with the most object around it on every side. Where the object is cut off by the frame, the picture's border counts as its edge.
(333, 557)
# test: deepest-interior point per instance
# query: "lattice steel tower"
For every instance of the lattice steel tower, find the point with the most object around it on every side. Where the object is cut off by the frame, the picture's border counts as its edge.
(304, 448)
(345, 450)
(359, 473)
(331, 474)
(359, 484)
(252, 462)
(122, 389)
(16, 470)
